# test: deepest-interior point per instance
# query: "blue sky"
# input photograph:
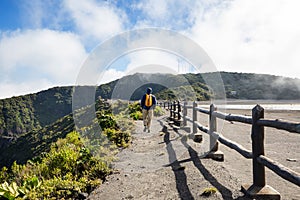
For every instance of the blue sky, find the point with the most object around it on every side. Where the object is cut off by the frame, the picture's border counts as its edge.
(45, 43)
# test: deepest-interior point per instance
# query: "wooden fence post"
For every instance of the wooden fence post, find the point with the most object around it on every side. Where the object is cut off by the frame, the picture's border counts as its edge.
(257, 136)
(177, 120)
(214, 153)
(212, 127)
(171, 110)
(184, 113)
(178, 111)
(195, 128)
(258, 189)
(183, 120)
(197, 135)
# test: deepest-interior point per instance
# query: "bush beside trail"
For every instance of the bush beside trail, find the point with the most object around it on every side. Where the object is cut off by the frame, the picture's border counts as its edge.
(69, 169)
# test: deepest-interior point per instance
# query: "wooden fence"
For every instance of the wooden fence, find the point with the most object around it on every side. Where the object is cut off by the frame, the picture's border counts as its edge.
(259, 189)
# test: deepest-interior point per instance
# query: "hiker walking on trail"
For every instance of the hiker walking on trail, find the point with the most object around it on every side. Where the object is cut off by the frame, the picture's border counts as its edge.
(148, 103)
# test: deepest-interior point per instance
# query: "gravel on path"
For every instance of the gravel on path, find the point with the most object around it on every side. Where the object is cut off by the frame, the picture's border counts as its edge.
(165, 164)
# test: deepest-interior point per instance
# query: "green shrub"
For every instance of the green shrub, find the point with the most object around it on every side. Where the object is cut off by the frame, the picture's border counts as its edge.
(134, 107)
(106, 120)
(13, 191)
(119, 137)
(66, 171)
(158, 111)
(135, 111)
(9, 191)
(4, 175)
(72, 165)
(138, 115)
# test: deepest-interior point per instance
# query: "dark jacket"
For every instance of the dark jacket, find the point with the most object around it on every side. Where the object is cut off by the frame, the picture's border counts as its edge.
(147, 107)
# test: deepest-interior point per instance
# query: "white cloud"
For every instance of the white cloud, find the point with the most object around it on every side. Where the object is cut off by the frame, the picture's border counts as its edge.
(26, 56)
(9, 89)
(55, 54)
(94, 20)
(252, 36)
(154, 9)
(144, 61)
(110, 75)
(175, 15)
(260, 36)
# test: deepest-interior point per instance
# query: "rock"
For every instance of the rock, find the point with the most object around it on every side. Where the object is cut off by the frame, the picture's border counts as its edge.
(129, 197)
(82, 195)
(291, 159)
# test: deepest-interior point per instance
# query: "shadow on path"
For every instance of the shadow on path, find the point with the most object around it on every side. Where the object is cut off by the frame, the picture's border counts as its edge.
(180, 176)
(225, 192)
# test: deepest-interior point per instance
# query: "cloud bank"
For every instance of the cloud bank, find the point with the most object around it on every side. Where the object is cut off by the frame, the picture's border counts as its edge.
(257, 36)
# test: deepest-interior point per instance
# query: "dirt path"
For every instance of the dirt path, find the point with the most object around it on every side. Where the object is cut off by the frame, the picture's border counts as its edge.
(164, 164)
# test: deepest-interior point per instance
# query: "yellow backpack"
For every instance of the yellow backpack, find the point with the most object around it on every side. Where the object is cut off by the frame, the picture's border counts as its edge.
(148, 100)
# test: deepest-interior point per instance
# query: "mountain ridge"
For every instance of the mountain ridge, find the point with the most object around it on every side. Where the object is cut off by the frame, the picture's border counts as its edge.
(33, 111)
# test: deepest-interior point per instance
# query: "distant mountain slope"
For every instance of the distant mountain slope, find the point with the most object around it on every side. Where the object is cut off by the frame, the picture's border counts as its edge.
(260, 86)
(34, 111)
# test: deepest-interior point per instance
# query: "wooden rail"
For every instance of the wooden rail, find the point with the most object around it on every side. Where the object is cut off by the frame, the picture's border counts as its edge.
(179, 112)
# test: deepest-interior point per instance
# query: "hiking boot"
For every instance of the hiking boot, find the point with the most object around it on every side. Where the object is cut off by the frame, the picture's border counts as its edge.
(145, 128)
(148, 130)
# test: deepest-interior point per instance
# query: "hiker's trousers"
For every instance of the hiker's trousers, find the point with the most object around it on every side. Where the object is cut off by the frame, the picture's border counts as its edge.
(147, 117)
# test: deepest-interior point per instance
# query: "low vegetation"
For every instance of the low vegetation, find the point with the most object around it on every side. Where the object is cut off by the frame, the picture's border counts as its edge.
(68, 170)
(61, 163)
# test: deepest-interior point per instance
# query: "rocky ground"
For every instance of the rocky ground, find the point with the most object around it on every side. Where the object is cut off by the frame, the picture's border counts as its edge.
(165, 163)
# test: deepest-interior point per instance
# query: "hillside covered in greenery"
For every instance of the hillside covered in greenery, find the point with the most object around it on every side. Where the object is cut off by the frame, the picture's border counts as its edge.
(34, 111)
(38, 130)
(260, 86)
(59, 162)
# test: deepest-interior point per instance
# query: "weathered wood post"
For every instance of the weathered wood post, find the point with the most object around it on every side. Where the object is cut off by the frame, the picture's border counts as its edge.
(195, 128)
(183, 119)
(257, 136)
(197, 135)
(212, 127)
(178, 120)
(184, 113)
(213, 142)
(178, 111)
(258, 189)
(171, 110)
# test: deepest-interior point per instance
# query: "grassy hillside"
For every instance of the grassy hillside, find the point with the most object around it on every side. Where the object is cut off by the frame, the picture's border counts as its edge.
(31, 126)
(34, 111)
(260, 86)
(33, 143)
